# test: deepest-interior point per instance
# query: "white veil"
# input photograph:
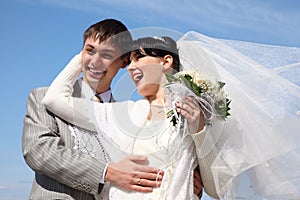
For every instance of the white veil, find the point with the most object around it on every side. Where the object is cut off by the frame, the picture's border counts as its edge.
(258, 145)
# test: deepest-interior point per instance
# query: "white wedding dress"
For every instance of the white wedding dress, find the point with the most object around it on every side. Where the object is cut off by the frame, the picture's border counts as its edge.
(125, 133)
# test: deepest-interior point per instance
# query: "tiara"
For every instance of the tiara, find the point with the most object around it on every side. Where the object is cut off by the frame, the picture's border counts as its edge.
(159, 38)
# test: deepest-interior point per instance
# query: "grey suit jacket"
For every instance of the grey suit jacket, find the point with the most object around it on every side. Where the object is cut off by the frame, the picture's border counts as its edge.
(61, 172)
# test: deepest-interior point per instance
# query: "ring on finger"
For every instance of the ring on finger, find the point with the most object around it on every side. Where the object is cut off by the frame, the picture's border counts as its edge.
(139, 181)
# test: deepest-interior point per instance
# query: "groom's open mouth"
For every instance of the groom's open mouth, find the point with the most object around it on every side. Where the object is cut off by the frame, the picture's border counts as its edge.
(96, 72)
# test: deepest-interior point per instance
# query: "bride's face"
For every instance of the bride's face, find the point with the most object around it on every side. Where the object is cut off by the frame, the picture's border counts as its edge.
(146, 72)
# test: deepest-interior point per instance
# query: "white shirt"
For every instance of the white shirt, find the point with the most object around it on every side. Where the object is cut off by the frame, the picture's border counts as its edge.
(88, 93)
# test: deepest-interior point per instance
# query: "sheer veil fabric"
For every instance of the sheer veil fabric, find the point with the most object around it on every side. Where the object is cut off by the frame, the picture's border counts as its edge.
(258, 145)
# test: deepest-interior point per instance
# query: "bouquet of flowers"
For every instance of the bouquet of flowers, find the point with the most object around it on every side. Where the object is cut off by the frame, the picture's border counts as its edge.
(206, 89)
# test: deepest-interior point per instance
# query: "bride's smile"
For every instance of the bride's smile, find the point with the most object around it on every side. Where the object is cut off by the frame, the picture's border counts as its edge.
(136, 75)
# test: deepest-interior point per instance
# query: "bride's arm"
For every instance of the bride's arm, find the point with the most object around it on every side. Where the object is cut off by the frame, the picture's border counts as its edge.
(206, 154)
(60, 101)
(205, 145)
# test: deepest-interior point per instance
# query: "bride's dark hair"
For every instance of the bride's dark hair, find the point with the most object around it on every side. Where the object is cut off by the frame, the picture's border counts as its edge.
(157, 47)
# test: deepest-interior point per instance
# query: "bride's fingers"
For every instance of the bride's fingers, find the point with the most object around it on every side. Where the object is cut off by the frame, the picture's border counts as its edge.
(192, 113)
(193, 117)
(192, 102)
(184, 112)
(188, 109)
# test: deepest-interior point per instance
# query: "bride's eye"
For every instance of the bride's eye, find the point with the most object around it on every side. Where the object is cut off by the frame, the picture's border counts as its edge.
(139, 55)
(135, 56)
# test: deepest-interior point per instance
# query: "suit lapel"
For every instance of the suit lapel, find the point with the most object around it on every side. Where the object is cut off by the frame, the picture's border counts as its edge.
(78, 90)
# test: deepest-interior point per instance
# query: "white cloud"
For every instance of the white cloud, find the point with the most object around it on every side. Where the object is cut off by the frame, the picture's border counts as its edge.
(265, 18)
(3, 187)
(234, 12)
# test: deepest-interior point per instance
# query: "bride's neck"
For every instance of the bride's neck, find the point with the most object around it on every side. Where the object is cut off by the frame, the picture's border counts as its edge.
(158, 104)
(158, 99)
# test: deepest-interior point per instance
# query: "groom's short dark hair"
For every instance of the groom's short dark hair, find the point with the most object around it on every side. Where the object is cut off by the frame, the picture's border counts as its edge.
(112, 30)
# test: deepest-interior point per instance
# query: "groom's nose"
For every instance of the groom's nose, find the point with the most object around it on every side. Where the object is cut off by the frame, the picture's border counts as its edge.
(96, 61)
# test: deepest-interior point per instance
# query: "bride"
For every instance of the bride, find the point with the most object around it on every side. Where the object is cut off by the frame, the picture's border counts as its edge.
(254, 154)
(142, 127)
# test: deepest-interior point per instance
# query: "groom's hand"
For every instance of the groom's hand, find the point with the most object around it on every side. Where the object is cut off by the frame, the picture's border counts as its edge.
(198, 185)
(132, 173)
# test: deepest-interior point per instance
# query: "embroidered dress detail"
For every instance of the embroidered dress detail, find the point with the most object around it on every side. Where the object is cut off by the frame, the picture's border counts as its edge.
(89, 142)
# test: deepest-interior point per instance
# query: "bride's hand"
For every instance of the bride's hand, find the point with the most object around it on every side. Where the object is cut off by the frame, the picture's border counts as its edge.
(131, 173)
(189, 108)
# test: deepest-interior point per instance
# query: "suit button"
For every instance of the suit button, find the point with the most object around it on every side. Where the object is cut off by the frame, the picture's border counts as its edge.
(88, 188)
(75, 184)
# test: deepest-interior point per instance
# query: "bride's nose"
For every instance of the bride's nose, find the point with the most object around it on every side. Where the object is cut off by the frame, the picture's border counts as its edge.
(131, 66)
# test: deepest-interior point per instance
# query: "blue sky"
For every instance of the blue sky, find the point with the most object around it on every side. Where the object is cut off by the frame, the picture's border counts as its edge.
(38, 37)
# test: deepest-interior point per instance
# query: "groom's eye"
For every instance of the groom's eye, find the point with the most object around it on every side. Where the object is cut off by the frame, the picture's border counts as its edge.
(90, 50)
(107, 56)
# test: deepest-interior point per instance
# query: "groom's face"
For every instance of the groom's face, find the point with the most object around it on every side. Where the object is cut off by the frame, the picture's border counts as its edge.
(101, 62)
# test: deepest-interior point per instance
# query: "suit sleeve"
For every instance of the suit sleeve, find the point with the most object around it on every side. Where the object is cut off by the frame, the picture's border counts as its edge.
(44, 149)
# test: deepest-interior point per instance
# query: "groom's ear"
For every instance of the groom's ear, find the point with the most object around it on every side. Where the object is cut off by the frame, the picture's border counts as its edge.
(167, 63)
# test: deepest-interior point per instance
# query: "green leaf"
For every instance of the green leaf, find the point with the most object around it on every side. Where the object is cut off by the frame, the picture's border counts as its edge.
(221, 84)
(170, 78)
(186, 80)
